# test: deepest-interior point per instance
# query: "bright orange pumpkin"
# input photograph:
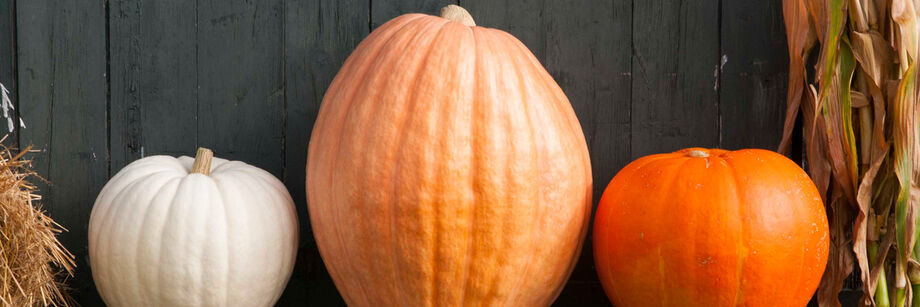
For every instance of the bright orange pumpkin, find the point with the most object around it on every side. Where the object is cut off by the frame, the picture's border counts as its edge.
(446, 167)
(702, 227)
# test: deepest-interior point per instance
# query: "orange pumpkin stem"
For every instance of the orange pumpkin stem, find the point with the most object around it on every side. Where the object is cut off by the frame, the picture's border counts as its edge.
(202, 163)
(456, 13)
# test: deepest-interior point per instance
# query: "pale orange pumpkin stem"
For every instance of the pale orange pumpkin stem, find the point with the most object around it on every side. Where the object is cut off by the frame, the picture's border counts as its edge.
(696, 153)
(202, 163)
(458, 14)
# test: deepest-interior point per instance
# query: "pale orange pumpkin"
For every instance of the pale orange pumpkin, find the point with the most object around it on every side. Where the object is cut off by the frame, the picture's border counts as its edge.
(446, 167)
(702, 227)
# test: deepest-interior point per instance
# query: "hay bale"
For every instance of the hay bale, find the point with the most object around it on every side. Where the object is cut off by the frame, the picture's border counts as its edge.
(33, 264)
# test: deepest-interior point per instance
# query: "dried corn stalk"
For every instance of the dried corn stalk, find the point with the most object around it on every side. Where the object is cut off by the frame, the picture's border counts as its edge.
(860, 116)
(32, 261)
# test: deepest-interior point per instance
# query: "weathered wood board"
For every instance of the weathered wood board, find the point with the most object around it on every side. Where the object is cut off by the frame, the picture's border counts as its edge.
(103, 83)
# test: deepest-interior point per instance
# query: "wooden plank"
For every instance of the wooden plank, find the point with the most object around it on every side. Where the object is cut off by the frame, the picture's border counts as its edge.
(382, 10)
(318, 37)
(240, 98)
(592, 65)
(8, 65)
(153, 79)
(62, 60)
(524, 19)
(676, 52)
(753, 79)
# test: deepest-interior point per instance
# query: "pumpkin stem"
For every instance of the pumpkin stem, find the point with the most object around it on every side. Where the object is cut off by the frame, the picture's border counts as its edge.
(202, 163)
(456, 13)
(696, 153)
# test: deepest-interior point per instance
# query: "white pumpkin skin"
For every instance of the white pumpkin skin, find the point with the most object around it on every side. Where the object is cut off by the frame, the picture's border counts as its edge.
(160, 236)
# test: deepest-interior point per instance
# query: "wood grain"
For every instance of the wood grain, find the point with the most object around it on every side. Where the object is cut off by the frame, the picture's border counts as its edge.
(382, 10)
(674, 90)
(753, 78)
(8, 65)
(154, 95)
(592, 65)
(240, 81)
(246, 78)
(524, 19)
(318, 37)
(62, 63)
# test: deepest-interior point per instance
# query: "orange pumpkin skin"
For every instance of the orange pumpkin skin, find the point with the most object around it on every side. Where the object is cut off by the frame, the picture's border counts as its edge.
(736, 228)
(446, 167)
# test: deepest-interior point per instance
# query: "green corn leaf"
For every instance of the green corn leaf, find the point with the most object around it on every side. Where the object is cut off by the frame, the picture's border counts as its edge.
(903, 130)
(837, 112)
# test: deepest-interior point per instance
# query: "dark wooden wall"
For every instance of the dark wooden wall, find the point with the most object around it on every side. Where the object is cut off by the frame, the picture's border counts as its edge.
(102, 83)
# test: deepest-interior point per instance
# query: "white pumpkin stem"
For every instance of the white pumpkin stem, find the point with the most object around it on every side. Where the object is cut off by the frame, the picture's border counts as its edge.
(202, 163)
(456, 13)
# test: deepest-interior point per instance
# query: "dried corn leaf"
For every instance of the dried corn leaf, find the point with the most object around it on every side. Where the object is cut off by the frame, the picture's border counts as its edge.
(873, 54)
(840, 261)
(903, 136)
(864, 198)
(817, 9)
(904, 13)
(858, 99)
(839, 264)
(859, 18)
(801, 38)
(865, 188)
(878, 19)
(837, 113)
(879, 148)
(836, 11)
(819, 168)
(878, 152)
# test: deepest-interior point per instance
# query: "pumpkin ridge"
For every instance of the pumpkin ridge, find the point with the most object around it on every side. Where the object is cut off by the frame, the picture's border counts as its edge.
(437, 223)
(226, 231)
(563, 108)
(648, 161)
(474, 165)
(252, 183)
(662, 284)
(249, 181)
(668, 189)
(743, 252)
(535, 166)
(450, 126)
(400, 148)
(363, 74)
(135, 259)
(561, 105)
(489, 197)
(627, 175)
(169, 209)
(203, 271)
(174, 185)
(110, 215)
(121, 194)
(504, 121)
(799, 279)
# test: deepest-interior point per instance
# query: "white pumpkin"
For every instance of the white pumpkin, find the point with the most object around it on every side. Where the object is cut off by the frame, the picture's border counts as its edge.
(166, 233)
